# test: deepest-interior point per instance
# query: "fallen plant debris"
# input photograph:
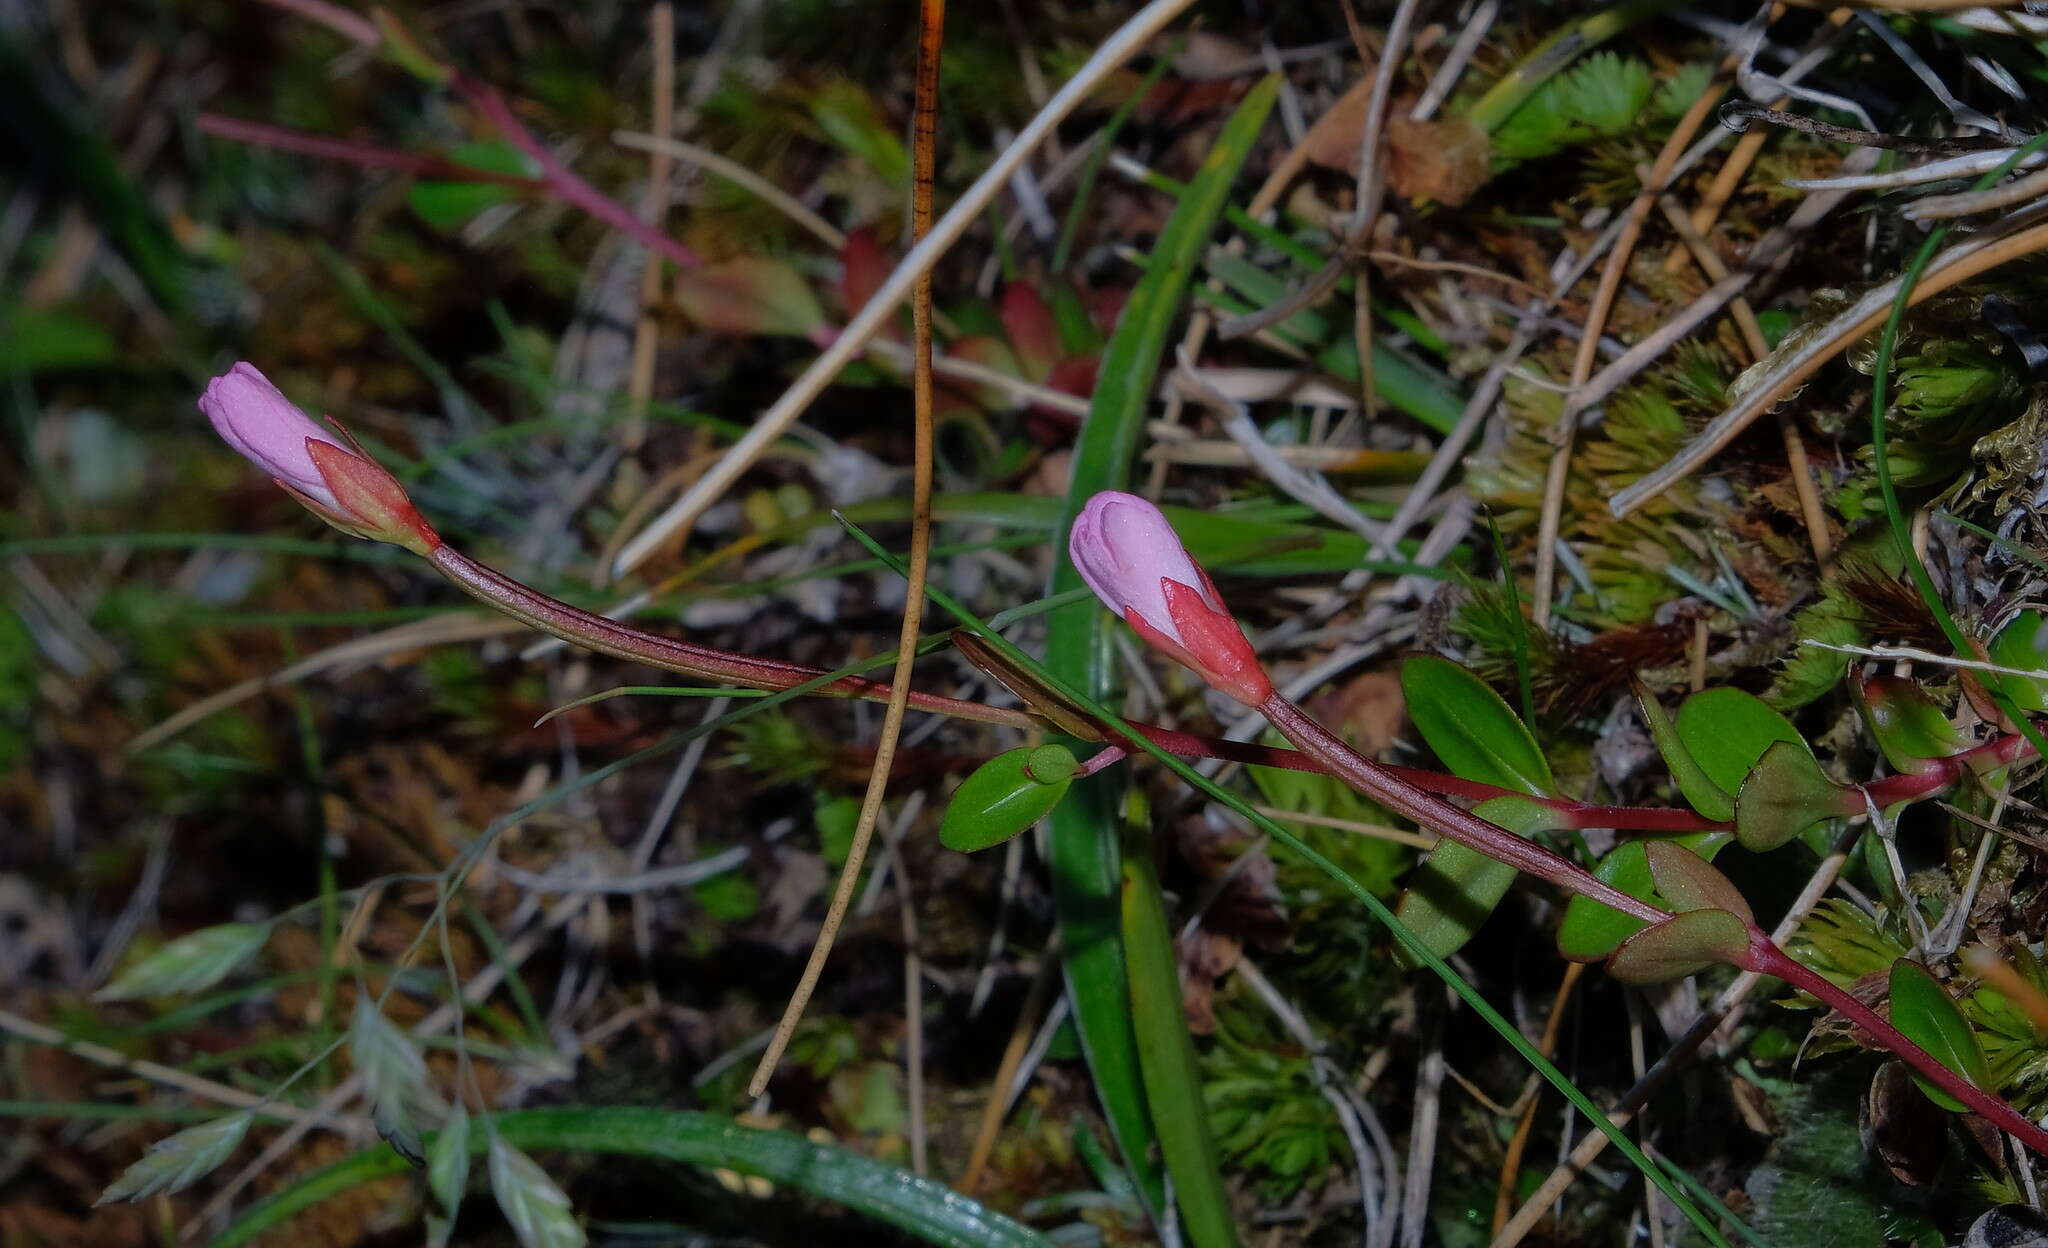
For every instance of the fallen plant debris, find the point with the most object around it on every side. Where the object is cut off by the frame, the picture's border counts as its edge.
(773, 382)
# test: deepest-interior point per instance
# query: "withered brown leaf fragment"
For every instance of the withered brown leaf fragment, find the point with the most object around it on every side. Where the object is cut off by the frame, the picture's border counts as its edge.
(1446, 161)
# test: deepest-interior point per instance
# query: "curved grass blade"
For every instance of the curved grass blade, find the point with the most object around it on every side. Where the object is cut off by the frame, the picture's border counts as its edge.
(930, 1211)
(1086, 868)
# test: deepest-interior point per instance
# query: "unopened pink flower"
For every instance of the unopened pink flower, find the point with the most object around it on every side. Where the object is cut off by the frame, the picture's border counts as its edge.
(269, 430)
(336, 482)
(1134, 561)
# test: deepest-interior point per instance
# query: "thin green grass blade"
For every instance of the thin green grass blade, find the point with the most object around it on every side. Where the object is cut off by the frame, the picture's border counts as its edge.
(1086, 862)
(1378, 909)
(929, 1210)
(1105, 143)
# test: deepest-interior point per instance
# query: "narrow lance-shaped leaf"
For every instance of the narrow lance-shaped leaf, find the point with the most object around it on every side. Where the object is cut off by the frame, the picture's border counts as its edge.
(537, 1209)
(1922, 1009)
(176, 1163)
(921, 1208)
(448, 1168)
(1166, 1057)
(394, 1077)
(1085, 849)
(188, 963)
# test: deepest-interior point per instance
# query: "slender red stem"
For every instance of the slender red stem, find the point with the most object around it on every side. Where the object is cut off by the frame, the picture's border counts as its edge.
(1765, 958)
(1430, 811)
(583, 628)
(607, 636)
(367, 155)
(565, 184)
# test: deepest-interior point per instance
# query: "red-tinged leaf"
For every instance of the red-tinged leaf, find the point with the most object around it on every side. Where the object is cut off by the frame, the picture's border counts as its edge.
(862, 269)
(1690, 882)
(1592, 929)
(1681, 946)
(1106, 305)
(1074, 375)
(994, 354)
(748, 296)
(1785, 794)
(1033, 333)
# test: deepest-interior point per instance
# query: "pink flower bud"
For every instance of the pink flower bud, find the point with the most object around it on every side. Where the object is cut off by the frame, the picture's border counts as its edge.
(1134, 561)
(269, 430)
(336, 482)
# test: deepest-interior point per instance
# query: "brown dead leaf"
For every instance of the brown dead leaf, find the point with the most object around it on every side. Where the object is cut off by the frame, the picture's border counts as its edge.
(1205, 956)
(1332, 140)
(1369, 710)
(1441, 160)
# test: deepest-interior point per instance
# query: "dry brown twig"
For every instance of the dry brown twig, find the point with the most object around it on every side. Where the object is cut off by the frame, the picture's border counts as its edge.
(931, 35)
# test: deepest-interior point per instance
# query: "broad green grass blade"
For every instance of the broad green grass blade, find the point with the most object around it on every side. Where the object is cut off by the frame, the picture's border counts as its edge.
(1086, 867)
(1181, 1121)
(931, 1211)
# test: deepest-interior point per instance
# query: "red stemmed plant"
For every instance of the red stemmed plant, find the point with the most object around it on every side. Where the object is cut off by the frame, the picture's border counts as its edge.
(1133, 560)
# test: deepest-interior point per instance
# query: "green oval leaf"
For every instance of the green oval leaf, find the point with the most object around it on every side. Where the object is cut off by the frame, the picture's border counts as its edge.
(1922, 1009)
(1785, 794)
(1591, 929)
(2024, 645)
(1457, 887)
(446, 204)
(1910, 728)
(1471, 728)
(922, 1207)
(1699, 788)
(1680, 946)
(1006, 795)
(1728, 730)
